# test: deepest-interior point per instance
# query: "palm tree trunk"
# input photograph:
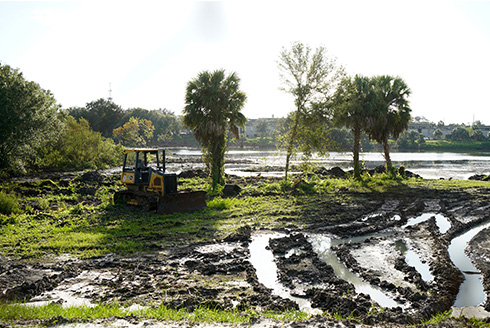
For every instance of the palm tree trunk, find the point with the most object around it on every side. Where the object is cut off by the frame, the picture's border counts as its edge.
(289, 151)
(386, 148)
(355, 151)
(217, 162)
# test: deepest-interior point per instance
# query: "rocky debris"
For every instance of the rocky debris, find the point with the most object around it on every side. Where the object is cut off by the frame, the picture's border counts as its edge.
(189, 174)
(231, 190)
(20, 283)
(243, 234)
(480, 177)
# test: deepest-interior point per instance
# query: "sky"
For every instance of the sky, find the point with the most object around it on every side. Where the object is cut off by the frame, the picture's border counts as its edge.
(143, 53)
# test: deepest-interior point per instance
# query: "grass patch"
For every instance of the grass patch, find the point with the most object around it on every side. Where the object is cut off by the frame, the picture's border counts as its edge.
(9, 203)
(436, 319)
(92, 230)
(13, 312)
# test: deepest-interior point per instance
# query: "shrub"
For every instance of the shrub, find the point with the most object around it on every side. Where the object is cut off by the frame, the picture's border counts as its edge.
(80, 147)
(9, 203)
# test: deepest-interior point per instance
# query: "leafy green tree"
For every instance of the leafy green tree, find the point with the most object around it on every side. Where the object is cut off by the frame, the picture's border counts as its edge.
(262, 127)
(167, 124)
(354, 104)
(459, 133)
(134, 133)
(28, 119)
(103, 115)
(411, 140)
(213, 104)
(438, 134)
(392, 113)
(79, 147)
(310, 77)
(477, 135)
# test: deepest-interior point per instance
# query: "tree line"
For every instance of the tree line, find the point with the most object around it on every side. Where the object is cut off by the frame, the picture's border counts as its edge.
(36, 133)
(323, 95)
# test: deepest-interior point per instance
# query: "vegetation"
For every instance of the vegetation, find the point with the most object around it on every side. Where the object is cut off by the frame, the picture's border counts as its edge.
(213, 104)
(391, 112)
(103, 115)
(163, 313)
(354, 101)
(377, 106)
(134, 133)
(79, 147)
(310, 77)
(28, 120)
(55, 222)
(411, 140)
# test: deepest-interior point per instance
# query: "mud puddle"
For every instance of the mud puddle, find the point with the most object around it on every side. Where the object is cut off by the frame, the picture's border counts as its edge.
(321, 245)
(413, 259)
(442, 222)
(265, 267)
(471, 292)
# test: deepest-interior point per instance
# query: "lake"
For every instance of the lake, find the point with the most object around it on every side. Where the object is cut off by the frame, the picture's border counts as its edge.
(429, 165)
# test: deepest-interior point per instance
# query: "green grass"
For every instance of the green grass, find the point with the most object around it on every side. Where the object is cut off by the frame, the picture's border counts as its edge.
(9, 203)
(16, 311)
(446, 145)
(437, 318)
(85, 230)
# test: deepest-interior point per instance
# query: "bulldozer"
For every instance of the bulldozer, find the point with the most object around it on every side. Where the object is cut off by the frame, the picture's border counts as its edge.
(150, 187)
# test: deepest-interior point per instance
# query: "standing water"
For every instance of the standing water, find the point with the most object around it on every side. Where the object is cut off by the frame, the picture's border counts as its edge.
(321, 245)
(262, 260)
(471, 292)
(441, 221)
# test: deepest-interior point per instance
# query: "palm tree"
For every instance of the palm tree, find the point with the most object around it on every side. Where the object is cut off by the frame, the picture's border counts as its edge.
(392, 113)
(213, 104)
(354, 102)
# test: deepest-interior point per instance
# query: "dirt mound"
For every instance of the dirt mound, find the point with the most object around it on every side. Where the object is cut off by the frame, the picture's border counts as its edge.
(188, 174)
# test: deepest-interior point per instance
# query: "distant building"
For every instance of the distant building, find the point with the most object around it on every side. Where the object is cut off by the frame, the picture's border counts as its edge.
(250, 130)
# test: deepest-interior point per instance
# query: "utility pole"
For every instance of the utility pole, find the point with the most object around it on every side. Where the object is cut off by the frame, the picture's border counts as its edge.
(110, 92)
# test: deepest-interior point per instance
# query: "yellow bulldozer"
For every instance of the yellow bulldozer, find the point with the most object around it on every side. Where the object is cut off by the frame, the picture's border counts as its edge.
(150, 187)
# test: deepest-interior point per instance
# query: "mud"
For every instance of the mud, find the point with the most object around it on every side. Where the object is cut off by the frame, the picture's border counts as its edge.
(220, 275)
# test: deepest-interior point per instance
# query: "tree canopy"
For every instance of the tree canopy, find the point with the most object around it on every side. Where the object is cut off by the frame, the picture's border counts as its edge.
(392, 111)
(310, 77)
(354, 105)
(28, 118)
(103, 115)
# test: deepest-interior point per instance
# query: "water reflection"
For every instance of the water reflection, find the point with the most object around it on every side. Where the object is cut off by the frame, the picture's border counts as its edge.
(471, 292)
(429, 165)
(413, 259)
(262, 260)
(441, 221)
(321, 245)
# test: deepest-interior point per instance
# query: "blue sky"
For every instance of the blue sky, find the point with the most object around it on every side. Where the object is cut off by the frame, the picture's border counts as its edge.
(148, 50)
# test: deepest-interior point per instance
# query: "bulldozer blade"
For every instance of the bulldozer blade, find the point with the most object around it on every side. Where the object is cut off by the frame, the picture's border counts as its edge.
(144, 200)
(185, 201)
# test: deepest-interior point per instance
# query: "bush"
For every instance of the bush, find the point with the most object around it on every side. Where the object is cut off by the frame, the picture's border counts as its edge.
(79, 147)
(8, 203)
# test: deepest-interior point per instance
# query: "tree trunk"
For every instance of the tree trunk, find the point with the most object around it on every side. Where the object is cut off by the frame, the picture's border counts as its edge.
(289, 151)
(355, 151)
(217, 158)
(386, 148)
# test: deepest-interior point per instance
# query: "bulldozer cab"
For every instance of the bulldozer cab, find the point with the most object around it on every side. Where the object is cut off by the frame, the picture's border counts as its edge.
(144, 169)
